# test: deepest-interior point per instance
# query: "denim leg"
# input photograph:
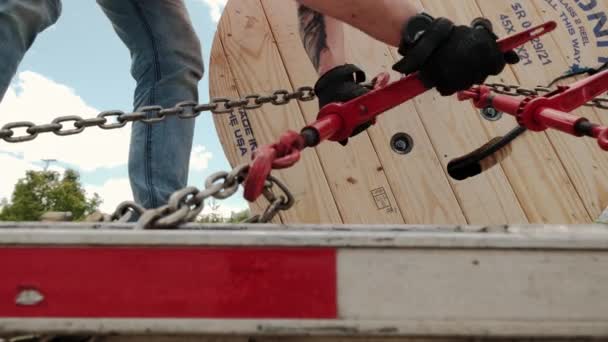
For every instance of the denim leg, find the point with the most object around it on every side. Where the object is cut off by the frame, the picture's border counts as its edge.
(167, 66)
(20, 23)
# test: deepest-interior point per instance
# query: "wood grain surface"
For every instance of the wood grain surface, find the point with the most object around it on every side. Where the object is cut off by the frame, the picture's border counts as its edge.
(550, 177)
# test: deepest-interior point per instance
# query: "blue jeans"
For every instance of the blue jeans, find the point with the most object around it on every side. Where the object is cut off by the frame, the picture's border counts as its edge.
(166, 64)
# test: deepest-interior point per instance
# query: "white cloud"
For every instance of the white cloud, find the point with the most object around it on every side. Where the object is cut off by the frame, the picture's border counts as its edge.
(112, 192)
(33, 97)
(199, 158)
(215, 8)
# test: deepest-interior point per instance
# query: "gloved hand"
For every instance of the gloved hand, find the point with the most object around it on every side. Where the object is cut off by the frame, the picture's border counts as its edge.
(342, 84)
(451, 58)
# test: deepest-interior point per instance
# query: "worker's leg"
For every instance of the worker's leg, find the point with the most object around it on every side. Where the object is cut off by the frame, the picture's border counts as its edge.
(167, 65)
(20, 23)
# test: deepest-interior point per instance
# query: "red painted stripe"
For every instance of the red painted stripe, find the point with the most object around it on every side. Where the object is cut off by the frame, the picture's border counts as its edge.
(170, 282)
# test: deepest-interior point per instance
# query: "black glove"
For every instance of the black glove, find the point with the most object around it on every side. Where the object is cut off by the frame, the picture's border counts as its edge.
(342, 84)
(449, 57)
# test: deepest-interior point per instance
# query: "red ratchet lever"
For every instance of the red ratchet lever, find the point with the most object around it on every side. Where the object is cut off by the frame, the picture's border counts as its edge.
(337, 121)
(551, 110)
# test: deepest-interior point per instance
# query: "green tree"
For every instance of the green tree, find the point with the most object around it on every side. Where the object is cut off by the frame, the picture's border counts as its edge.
(43, 191)
(240, 216)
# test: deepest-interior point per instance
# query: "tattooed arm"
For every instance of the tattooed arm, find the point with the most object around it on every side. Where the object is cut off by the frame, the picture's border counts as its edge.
(321, 30)
(321, 27)
(381, 19)
(323, 39)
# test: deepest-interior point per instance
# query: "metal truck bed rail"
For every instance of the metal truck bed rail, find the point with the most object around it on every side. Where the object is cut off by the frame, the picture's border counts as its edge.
(303, 280)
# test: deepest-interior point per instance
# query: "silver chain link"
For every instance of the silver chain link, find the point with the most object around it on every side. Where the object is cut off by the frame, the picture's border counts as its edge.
(516, 90)
(187, 204)
(72, 124)
(188, 110)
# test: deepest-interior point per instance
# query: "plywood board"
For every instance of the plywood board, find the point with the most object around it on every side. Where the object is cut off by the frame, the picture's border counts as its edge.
(356, 176)
(542, 62)
(488, 198)
(231, 128)
(582, 38)
(417, 180)
(534, 170)
(252, 59)
(550, 177)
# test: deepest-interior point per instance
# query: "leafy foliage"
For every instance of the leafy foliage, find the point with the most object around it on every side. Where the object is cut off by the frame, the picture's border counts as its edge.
(240, 216)
(43, 191)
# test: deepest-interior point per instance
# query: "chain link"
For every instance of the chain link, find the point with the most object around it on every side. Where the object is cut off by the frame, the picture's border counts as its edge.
(186, 205)
(116, 119)
(516, 90)
(599, 102)
(125, 212)
(277, 204)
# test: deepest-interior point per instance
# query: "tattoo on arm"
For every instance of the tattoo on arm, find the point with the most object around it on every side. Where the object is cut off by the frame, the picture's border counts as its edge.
(313, 33)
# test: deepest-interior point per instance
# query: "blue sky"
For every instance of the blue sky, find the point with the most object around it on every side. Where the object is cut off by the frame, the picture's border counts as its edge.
(80, 67)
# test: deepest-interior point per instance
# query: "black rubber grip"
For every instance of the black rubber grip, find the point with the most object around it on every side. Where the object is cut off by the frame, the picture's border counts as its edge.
(470, 165)
(311, 137)
(584, 127)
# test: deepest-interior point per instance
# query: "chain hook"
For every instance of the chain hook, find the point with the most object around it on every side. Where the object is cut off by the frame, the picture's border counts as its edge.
(281, 155)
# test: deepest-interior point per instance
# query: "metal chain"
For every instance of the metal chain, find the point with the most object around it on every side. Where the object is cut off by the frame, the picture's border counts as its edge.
(72, 124)
(516, 90)
(108, 120)
(186, 205)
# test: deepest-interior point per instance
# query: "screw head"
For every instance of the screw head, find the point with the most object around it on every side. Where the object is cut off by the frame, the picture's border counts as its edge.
(402, 143)
(491, 114)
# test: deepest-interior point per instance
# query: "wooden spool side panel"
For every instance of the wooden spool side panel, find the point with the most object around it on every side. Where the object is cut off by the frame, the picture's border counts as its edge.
(356, 176)
(418, 178)
(454, 131)
(534, 169)
(582, 34)
(257, 68)
(582, 37)
(487, 199)
(231, 127)
(418, 181)
(583, 159)
(549, 177)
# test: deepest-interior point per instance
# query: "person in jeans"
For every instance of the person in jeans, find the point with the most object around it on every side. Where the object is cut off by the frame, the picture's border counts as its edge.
(166, 65)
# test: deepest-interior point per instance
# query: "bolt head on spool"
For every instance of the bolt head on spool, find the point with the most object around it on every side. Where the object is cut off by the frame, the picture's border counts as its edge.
(491, 114)
(402, 143)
